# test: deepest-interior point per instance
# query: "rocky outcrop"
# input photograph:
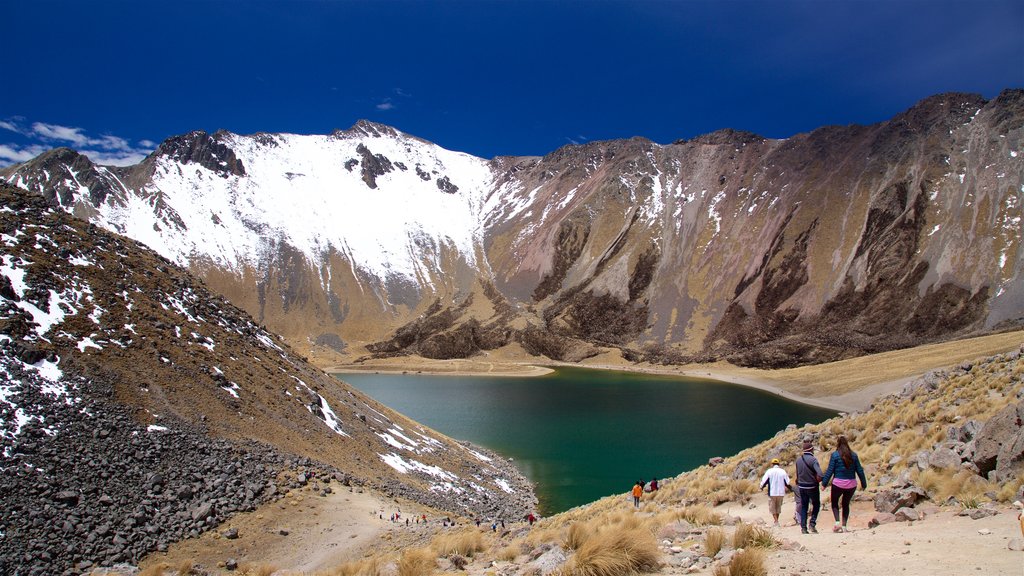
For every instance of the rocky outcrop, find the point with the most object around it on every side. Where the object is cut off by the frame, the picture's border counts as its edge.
(200, 148)
(999, 445)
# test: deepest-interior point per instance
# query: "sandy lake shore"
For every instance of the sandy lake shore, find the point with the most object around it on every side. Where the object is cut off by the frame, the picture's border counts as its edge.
(845, 386)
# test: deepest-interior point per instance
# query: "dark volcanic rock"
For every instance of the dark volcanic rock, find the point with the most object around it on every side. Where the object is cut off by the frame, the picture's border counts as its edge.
(200, 148)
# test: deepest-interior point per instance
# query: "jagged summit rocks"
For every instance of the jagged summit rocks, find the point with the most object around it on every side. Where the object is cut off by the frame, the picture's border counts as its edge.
(839, 242)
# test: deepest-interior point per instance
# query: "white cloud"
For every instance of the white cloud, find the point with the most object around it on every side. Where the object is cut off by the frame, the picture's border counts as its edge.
(12, 154)
(61, 133)
(116, 158)
(107, 149)
(385, 105)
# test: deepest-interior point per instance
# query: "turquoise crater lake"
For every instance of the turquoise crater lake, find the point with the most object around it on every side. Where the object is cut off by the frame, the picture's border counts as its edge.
(583, 434)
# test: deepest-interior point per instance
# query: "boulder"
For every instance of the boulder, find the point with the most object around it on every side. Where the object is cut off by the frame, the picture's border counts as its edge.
(979, 513)
(999, 445)
(892, 500)
(964, 433)
(203, 511)
(908, 515)
(944, 459)
(881, 518)
(547, 563)
(1016, 544)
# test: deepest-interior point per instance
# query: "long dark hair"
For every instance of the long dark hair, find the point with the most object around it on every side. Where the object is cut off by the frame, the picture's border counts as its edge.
(843, 447)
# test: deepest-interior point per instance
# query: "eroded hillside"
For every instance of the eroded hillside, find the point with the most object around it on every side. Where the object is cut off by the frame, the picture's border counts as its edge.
(130, 390)
(831, 244)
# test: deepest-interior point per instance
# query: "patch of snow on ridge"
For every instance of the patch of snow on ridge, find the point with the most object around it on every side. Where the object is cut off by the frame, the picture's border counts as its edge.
(330, 417)
(403, 466)
(504, 485)
(238, 221)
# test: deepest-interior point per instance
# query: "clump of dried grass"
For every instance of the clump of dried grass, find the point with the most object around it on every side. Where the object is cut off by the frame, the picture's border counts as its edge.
(748, 535)
(714, 540)
(615, 551)
(466, 543)
(578, 533)
(701, 515)
(417, 562)
(748, 562)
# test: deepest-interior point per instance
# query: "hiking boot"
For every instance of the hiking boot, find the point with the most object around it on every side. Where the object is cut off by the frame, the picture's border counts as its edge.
(837, 529)
(814, 530)
(803, 530)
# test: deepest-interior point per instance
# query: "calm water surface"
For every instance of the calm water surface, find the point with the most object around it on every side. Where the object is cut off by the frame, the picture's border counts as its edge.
(583, 434)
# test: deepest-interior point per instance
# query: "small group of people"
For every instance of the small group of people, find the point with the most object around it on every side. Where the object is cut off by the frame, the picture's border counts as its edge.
(844, 469)
(642, 486)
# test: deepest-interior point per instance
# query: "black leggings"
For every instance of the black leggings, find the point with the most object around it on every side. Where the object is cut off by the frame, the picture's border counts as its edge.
(846, 495)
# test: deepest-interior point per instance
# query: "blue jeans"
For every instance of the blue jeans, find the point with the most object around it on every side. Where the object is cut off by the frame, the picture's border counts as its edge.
(813, 497)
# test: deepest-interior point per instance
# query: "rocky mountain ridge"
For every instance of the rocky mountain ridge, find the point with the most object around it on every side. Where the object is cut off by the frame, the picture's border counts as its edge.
(826, 245)
(138, 408)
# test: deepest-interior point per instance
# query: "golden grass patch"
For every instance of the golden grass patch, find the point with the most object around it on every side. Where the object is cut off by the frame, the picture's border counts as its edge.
(417, 562)
(749, 562)
(615, 552)
(465, 542)
(714, 540)
(748, 535)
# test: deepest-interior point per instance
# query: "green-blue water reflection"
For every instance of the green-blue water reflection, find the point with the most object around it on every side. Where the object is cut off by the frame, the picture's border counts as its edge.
(583, 434)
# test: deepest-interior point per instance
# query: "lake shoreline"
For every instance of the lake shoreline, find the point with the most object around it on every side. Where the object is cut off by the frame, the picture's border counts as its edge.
(850, 385)
(837, 403)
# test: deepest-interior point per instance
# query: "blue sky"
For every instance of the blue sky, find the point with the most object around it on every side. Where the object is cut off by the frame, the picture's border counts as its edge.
(485, 77)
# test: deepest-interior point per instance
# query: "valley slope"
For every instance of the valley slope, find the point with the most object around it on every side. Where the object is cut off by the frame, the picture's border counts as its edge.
(770, 253)
(137, 408)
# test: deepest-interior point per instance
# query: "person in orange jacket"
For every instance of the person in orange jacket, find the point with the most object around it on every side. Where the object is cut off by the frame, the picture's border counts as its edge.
(638, 491)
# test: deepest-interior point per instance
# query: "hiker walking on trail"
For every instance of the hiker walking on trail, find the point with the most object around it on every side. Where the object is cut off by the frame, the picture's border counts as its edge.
(808, 474)
(638, 491)
(843, 469)
(777, 482)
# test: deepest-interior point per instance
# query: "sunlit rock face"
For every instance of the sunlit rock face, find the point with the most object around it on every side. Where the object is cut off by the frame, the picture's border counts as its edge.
(831, 244)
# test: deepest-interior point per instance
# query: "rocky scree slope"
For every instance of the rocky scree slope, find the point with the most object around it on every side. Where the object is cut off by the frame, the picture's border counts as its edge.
(138, 408)
(835, 243)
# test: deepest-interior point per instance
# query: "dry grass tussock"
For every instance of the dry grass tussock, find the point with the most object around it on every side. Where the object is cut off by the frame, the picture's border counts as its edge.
(417, 562)
(578, 533)
(749, 562)
(963, 486)
(751, 536)
(699, 515)
(615, 551)
(466, 543)
(714, 540)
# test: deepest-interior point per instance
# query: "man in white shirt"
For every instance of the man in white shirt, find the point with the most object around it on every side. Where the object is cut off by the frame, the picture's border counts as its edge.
(777, 482)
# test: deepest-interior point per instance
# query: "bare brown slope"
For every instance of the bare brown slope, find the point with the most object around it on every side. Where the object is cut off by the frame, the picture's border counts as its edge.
(173, 350)
(834, 244)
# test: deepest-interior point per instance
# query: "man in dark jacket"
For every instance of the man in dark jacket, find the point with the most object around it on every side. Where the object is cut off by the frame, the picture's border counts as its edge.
(808, 474)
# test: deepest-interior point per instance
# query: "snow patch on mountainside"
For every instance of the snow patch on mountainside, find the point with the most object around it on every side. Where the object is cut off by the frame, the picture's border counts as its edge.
(308, 192)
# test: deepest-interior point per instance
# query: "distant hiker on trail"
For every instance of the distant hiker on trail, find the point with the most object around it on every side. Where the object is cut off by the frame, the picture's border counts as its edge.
(638, 491)
(654, 484)
(808, 474)
(531, 518)
(777, 481)
(844, 465)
